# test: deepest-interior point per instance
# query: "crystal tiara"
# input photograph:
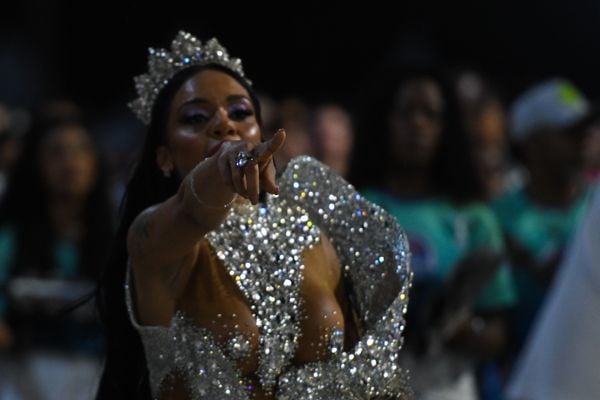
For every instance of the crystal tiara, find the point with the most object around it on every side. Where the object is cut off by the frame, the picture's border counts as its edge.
(186, 51)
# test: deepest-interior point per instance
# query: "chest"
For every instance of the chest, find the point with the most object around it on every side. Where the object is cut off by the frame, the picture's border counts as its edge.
(261, 294)
(216, 303)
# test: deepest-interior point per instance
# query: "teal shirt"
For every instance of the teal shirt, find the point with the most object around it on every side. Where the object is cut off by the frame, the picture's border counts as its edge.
(545, 233)
(66, 256)
(441, 234)
(7, 254)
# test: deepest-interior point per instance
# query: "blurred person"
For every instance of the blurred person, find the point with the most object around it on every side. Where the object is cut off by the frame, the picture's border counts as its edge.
(55, 231)
(121, 137)
(12, 125)
(462, 288)
(560, 358)
(230, 282)
(591, 151)
(270, 111)
(547, 126)
(333, 133)
(485, 122)
(294, 116)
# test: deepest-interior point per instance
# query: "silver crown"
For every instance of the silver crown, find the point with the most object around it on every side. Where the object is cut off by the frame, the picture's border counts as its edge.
(186, 51)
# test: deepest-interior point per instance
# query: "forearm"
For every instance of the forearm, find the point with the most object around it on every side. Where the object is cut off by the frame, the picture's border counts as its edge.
(204, 197)
(166, 233)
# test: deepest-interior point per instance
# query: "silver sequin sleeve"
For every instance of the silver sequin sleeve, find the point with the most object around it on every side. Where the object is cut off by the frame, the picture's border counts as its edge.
(374, 252)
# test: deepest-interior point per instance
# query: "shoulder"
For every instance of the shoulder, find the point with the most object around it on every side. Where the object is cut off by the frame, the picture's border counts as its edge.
(139, 230)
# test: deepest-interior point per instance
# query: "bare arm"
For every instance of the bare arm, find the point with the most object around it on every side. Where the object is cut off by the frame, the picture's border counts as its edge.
(164, 236)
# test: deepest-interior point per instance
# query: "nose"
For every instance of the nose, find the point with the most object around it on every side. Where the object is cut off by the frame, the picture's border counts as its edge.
(222, 126)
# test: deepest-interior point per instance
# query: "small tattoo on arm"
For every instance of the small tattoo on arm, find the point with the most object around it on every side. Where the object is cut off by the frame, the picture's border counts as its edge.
(143, 226)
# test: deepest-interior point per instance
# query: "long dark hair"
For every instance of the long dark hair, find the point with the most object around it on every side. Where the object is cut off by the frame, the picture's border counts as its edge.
(125, 373)
(454, 173)
(25, 204)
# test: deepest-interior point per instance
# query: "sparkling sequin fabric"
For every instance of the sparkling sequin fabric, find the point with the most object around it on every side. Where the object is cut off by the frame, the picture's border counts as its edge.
(261, 247)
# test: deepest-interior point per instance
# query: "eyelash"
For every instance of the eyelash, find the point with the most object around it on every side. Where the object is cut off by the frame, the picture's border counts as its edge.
(194, 119)
(236, 115)
(240, 114)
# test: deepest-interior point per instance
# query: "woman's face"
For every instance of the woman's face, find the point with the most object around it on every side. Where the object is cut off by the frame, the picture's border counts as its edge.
(68, 162)
(416, 122)
(333, 130)
(210, 107)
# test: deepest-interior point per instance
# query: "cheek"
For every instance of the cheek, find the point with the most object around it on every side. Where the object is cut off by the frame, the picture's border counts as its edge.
(251, 133)
(188, 149)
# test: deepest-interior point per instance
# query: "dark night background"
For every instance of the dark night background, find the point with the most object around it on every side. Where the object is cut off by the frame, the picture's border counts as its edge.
(90, 50)
(311, 52)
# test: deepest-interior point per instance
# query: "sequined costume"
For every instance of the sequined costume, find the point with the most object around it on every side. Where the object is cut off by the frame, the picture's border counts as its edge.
(261, 247)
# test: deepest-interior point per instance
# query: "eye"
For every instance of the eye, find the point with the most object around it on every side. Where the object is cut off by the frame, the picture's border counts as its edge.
(194, 119)
(239, 112)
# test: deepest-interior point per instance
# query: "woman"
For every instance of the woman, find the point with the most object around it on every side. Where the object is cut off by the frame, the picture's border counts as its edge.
(55, 230)
(333, 132)
(432, 187)
(234, 292)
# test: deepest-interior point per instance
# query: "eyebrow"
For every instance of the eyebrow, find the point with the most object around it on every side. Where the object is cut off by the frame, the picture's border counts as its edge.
(201, 100)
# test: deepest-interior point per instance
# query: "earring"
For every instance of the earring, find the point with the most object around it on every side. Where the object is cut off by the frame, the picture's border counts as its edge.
(166, 173)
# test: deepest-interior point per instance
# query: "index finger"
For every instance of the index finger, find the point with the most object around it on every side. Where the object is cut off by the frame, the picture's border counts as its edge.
(264, 151)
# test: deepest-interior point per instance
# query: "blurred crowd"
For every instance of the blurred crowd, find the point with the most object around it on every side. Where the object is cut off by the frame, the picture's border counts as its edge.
(493, 193)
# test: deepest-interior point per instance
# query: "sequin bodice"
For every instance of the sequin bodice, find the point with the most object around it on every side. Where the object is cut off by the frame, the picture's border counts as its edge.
(261, 248)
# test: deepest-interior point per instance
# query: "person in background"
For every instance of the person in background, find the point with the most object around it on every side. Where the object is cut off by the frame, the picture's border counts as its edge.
(485, 122)
(55, 232)
(462, 289)
(547, 126)
(333, 133)
(13, 122)
(294, 115)
(591, 151)
(270, 111)
(560, 358)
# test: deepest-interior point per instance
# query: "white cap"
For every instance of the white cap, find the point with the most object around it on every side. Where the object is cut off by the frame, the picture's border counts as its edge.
(556, 103)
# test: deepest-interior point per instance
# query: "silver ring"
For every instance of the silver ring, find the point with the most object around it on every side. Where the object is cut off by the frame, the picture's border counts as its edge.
(242, 159)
